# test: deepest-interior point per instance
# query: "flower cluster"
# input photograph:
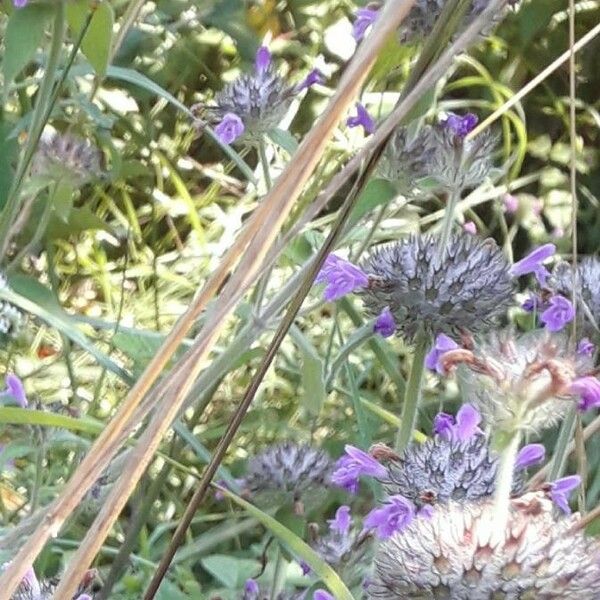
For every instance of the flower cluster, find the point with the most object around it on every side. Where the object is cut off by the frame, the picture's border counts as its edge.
(31, 588)
(11, 318)
(247, 108)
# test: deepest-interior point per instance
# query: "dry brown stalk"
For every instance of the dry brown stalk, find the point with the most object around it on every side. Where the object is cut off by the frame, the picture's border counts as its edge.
(249, 267)
(260, 233)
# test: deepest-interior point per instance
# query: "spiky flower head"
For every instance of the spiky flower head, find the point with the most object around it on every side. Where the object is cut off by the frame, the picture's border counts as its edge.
(521, 381)
(587, 282)
(31, 588)
(11, 318)
(66, 157)
(464, 288)
(255, 102)
(460, 554)
(288, 472)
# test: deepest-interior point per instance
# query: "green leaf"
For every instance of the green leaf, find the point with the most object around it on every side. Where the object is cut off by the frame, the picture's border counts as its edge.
(391, 418)
(376, 193)
(98, 37)
(8, 153)
(79, 219)
(23, 36)
(297, 546)
(62, 200)
(313, 379)
(32, 297)
(230, 571)
(285, 139)
(13, 415)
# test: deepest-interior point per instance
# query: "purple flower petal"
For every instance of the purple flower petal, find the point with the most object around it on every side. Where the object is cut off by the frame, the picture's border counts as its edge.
(341, 277)
(362, 119)
(460, 126)
(393, 517)
(20, 3)
(14, 389)
(32, 581)
(470, 227)
(314, 77)
(251, 590)
(230, 128)
(529, 455)
(467, 421)
(511, 204)
(561, 489)
(532, 263)
(443, 425)
(442, 344)
(305, 567)
(385, 325)
(365, 17)
(342, 521)
(531, 304)
(262, 60)
(322, 595)
(588, 389)
(585, 347)
(84, 597)
(354, 464)
(559, 312)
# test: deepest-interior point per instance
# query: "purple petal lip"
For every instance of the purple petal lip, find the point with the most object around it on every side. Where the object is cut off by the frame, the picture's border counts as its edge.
(365, 17)
(341, 277)
(262, 60)
(230, 128)
(561, 489)
(529, 455)
(532, 263)
(461, 126)
(362, 119)
(559, 312)
(588, 389)
(442, 344)
(385, 325)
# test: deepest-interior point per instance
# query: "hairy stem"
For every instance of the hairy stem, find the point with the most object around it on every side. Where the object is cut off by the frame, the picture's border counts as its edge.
(453, 198)
(565, 435)
(504, 481)
(412, 397)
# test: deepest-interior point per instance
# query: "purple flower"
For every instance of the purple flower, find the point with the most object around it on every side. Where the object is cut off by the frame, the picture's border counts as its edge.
(251, 590)
(460, 126)
(15, 390)
(365, 17)
(20, 3)
(362, 118)
(529, 455)
(442, 344)
(262, 60)
(342, 521)
(470, 227)
(558, 314)
(354, 464)
(84, 597)
(341, 277)
(315, 76)
(585, 347)
(385, 325)
(532, 263)
(463, 427)
(305, 567)
(561, 489)
(230, 128)
(392, 517)
(531, 304)
(588, 389)
(322, 595)
(511, 204)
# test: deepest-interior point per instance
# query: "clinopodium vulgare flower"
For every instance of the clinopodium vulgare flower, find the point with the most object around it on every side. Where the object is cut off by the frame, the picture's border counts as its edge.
(288, 472)
(255, 102)
(525, 381)
(459, 553)
(465, 289)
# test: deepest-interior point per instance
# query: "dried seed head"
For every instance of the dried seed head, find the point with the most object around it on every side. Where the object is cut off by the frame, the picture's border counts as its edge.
(466, 288)
(588, 286)
(522, 380)
(444, 469)
(459, 554)
(63, 156)
(288, 472)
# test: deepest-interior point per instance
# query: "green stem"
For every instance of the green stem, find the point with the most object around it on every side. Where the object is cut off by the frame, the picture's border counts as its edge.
(264, 161)
(278, 574)
(39, 469)
(560, 449)
(40, 116)
(412, 397)
(453, 198)
(504, 481)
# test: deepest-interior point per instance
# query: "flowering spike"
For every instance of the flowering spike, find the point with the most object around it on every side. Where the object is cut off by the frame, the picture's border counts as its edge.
(365, 17)
(352, 465)
(362, 119)
(341, 277)
(558, 314)
(262, 60)
(442, 344)
(385, 325)
(529, 455)
(342, 521)
(561, 489)
(532, 263)
(314, 77)
(460, 126)
(229, 129)
(588, 388)
(391, 518)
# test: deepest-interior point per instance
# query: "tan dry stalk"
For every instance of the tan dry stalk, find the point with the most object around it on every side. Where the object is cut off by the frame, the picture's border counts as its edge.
(260, 233)
(180, 384)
